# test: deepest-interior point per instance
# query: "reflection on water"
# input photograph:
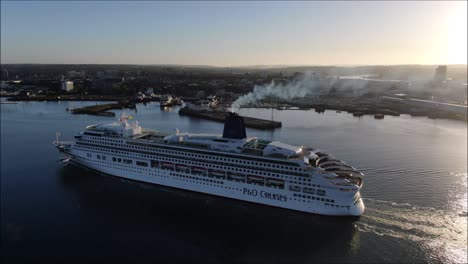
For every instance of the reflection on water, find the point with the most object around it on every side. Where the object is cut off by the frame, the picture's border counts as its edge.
(233, 230)
(415, 191)
(442, 233)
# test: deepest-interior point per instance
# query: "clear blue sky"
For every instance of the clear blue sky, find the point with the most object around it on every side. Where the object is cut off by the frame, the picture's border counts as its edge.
(234, 33)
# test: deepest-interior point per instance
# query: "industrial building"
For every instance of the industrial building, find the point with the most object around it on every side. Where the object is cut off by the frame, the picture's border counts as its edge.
(67, 86)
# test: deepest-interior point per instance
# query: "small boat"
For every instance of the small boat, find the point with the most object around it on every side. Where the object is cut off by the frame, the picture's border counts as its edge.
(65, 160)
(379, 116)
(168, 101)
(179, 101)
(165, 104)
(358, 114)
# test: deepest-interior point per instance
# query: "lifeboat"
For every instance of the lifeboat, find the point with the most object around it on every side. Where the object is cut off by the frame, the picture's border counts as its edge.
(199, 170)
(274, 182)
(255, 179)
(167, 165)
(217, 174)
(236, 177)
(182, 167)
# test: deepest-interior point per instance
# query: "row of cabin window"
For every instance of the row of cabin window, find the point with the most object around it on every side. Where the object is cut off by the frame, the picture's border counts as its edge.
(217, 157)
(99, 157)
(217, 167)
(222, 163)
(256, 163)
(144, 164)
(196, 178)
(295, 188)
(105, 139)
(313, 198)
(225, 164)
(154, 164)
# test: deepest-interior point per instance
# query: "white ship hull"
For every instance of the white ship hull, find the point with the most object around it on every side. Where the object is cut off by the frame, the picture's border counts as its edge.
(232, 166)
(214, 186)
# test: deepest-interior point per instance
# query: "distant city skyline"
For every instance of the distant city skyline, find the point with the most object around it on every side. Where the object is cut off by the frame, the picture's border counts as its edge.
(231, 34)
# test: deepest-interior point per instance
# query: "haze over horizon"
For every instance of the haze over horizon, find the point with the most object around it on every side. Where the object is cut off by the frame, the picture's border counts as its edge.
(234, 34)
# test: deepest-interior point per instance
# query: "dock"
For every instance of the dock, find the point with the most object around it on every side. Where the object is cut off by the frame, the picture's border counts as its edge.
(220, 116)
(102, 109)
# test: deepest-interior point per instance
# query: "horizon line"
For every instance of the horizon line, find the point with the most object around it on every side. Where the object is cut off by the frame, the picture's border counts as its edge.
(244, 66)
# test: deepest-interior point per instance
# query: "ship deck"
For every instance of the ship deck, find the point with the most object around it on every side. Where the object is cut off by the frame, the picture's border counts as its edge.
(154, 136)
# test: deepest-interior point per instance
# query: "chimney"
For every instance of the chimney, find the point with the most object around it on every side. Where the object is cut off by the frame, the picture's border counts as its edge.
(234, 127)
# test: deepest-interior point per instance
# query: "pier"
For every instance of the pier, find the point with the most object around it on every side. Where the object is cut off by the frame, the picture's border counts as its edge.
(220, 116)
(102, 109)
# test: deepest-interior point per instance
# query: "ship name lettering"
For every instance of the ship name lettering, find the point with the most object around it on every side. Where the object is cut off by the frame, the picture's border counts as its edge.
(274, 196)
(264, 194)
(251, 192)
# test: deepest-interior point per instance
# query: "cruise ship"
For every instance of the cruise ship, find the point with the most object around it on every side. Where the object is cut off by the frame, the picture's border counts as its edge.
(230, 165)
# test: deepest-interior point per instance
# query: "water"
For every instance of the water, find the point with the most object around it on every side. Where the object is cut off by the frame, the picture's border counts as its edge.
(415, 192)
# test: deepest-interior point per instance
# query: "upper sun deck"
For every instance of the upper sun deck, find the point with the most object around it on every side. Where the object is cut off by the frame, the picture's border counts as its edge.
(247, 146)
(250, 145)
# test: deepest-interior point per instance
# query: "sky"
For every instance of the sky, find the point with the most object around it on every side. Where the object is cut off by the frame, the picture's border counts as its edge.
(234, 33)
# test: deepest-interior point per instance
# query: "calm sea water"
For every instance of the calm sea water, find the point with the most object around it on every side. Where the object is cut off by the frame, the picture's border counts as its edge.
(415, 191)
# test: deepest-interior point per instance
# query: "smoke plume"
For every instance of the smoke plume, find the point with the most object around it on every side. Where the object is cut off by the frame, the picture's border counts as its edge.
(354, 82)
(298, 87)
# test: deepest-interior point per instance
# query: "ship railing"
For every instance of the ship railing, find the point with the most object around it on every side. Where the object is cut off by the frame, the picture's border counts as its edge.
(354, 178)
(332, 162)
(338, 168)
(346, 171)
(60, 142)
(62, 145)
(342, 183)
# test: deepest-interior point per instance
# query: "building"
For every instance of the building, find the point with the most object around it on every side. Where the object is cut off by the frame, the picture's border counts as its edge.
(67, 86)
(440, 73)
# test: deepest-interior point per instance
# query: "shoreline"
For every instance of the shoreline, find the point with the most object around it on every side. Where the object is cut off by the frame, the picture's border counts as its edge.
(65, 98)
(356, 106)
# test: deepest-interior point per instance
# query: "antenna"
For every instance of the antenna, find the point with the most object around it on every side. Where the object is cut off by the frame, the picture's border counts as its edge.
(57, 134)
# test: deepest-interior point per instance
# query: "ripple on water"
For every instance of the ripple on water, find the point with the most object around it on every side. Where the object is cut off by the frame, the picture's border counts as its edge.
(443, 233)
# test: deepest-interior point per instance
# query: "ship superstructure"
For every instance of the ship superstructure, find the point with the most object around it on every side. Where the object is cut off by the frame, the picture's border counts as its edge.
(230, 165)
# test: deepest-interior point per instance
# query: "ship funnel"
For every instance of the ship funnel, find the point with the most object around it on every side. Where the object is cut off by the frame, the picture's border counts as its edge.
(234, 126)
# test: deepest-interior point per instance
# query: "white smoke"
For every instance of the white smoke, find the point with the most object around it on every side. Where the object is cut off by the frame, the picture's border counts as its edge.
(355, 83)
(299, 87)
